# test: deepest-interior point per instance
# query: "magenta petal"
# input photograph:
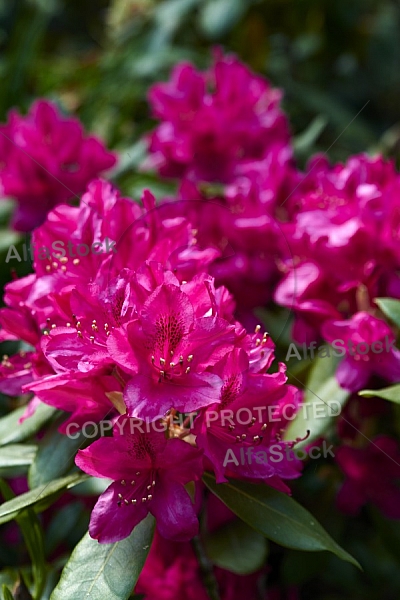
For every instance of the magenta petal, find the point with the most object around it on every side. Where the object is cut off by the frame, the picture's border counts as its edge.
(121, 352)
(145, 398)
(350, 498)
(109, 457)
(65, 351)
(168, 309)
(388, 365)
(387, 499)
(184, 462)
(173, 509)
(111, 523)
(352, 375)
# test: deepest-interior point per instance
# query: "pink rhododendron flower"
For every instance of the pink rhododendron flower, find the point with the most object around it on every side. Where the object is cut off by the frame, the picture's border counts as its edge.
(169, 351)
(88, 399)
(240, 424)
(56, 291)
(171, 572)
(369, 344)
(147, 334)
(226, 126)
(46, 160)
(333, 270)
(371, 476)
(212, 122)
(241, 224)
(359, 416)
(149, 473)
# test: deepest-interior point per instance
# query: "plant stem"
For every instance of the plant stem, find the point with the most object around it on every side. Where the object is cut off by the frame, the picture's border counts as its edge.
(206, 569)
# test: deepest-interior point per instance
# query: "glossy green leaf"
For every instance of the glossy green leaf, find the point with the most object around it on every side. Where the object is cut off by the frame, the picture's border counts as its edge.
(237, 548)
(63, 522)
(17, 455)
(219, 16)
(55, 456)
(32, 533)
(323, 401)
(390, 308)
(7, 595)
(38, 497)
(276, 515)
(12, 431)
(391, 393)
(304, 142)
(99, 571)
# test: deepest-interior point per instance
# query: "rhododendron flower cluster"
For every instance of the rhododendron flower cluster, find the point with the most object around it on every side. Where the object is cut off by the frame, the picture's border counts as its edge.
(342, 230)
(158, 338)
(214, 122)
(144, 333)
(226, 126)
(45, 160)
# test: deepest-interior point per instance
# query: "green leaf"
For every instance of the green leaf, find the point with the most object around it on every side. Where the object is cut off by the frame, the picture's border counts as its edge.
(9, 577)
(32, 533)
(94, 486)
(391, 393)
(6, 208)
(217, 17)
(62, 524)
(100, 571)
(33, 536)
(12, 431)
(7, 238)
(305, 140)
(7, 595)
(276, 515)
(38, 497)
(390, 308)
(237, 548)
(323, 401)
(389, 532)
(55, 456)
(129, 159)
(17, 455)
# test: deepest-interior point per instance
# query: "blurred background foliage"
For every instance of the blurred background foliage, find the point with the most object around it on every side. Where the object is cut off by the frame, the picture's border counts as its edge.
(98, 58)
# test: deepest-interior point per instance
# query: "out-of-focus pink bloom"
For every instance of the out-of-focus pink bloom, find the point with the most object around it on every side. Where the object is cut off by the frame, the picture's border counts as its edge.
(333, 269)
(214, 121)
(171, 572)
(277, 593)
(371, 476)
(45, 160)
(149, 474)
(359, 415)
(369, 345)
(241, 225)
(226, 126)
(235, 587)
